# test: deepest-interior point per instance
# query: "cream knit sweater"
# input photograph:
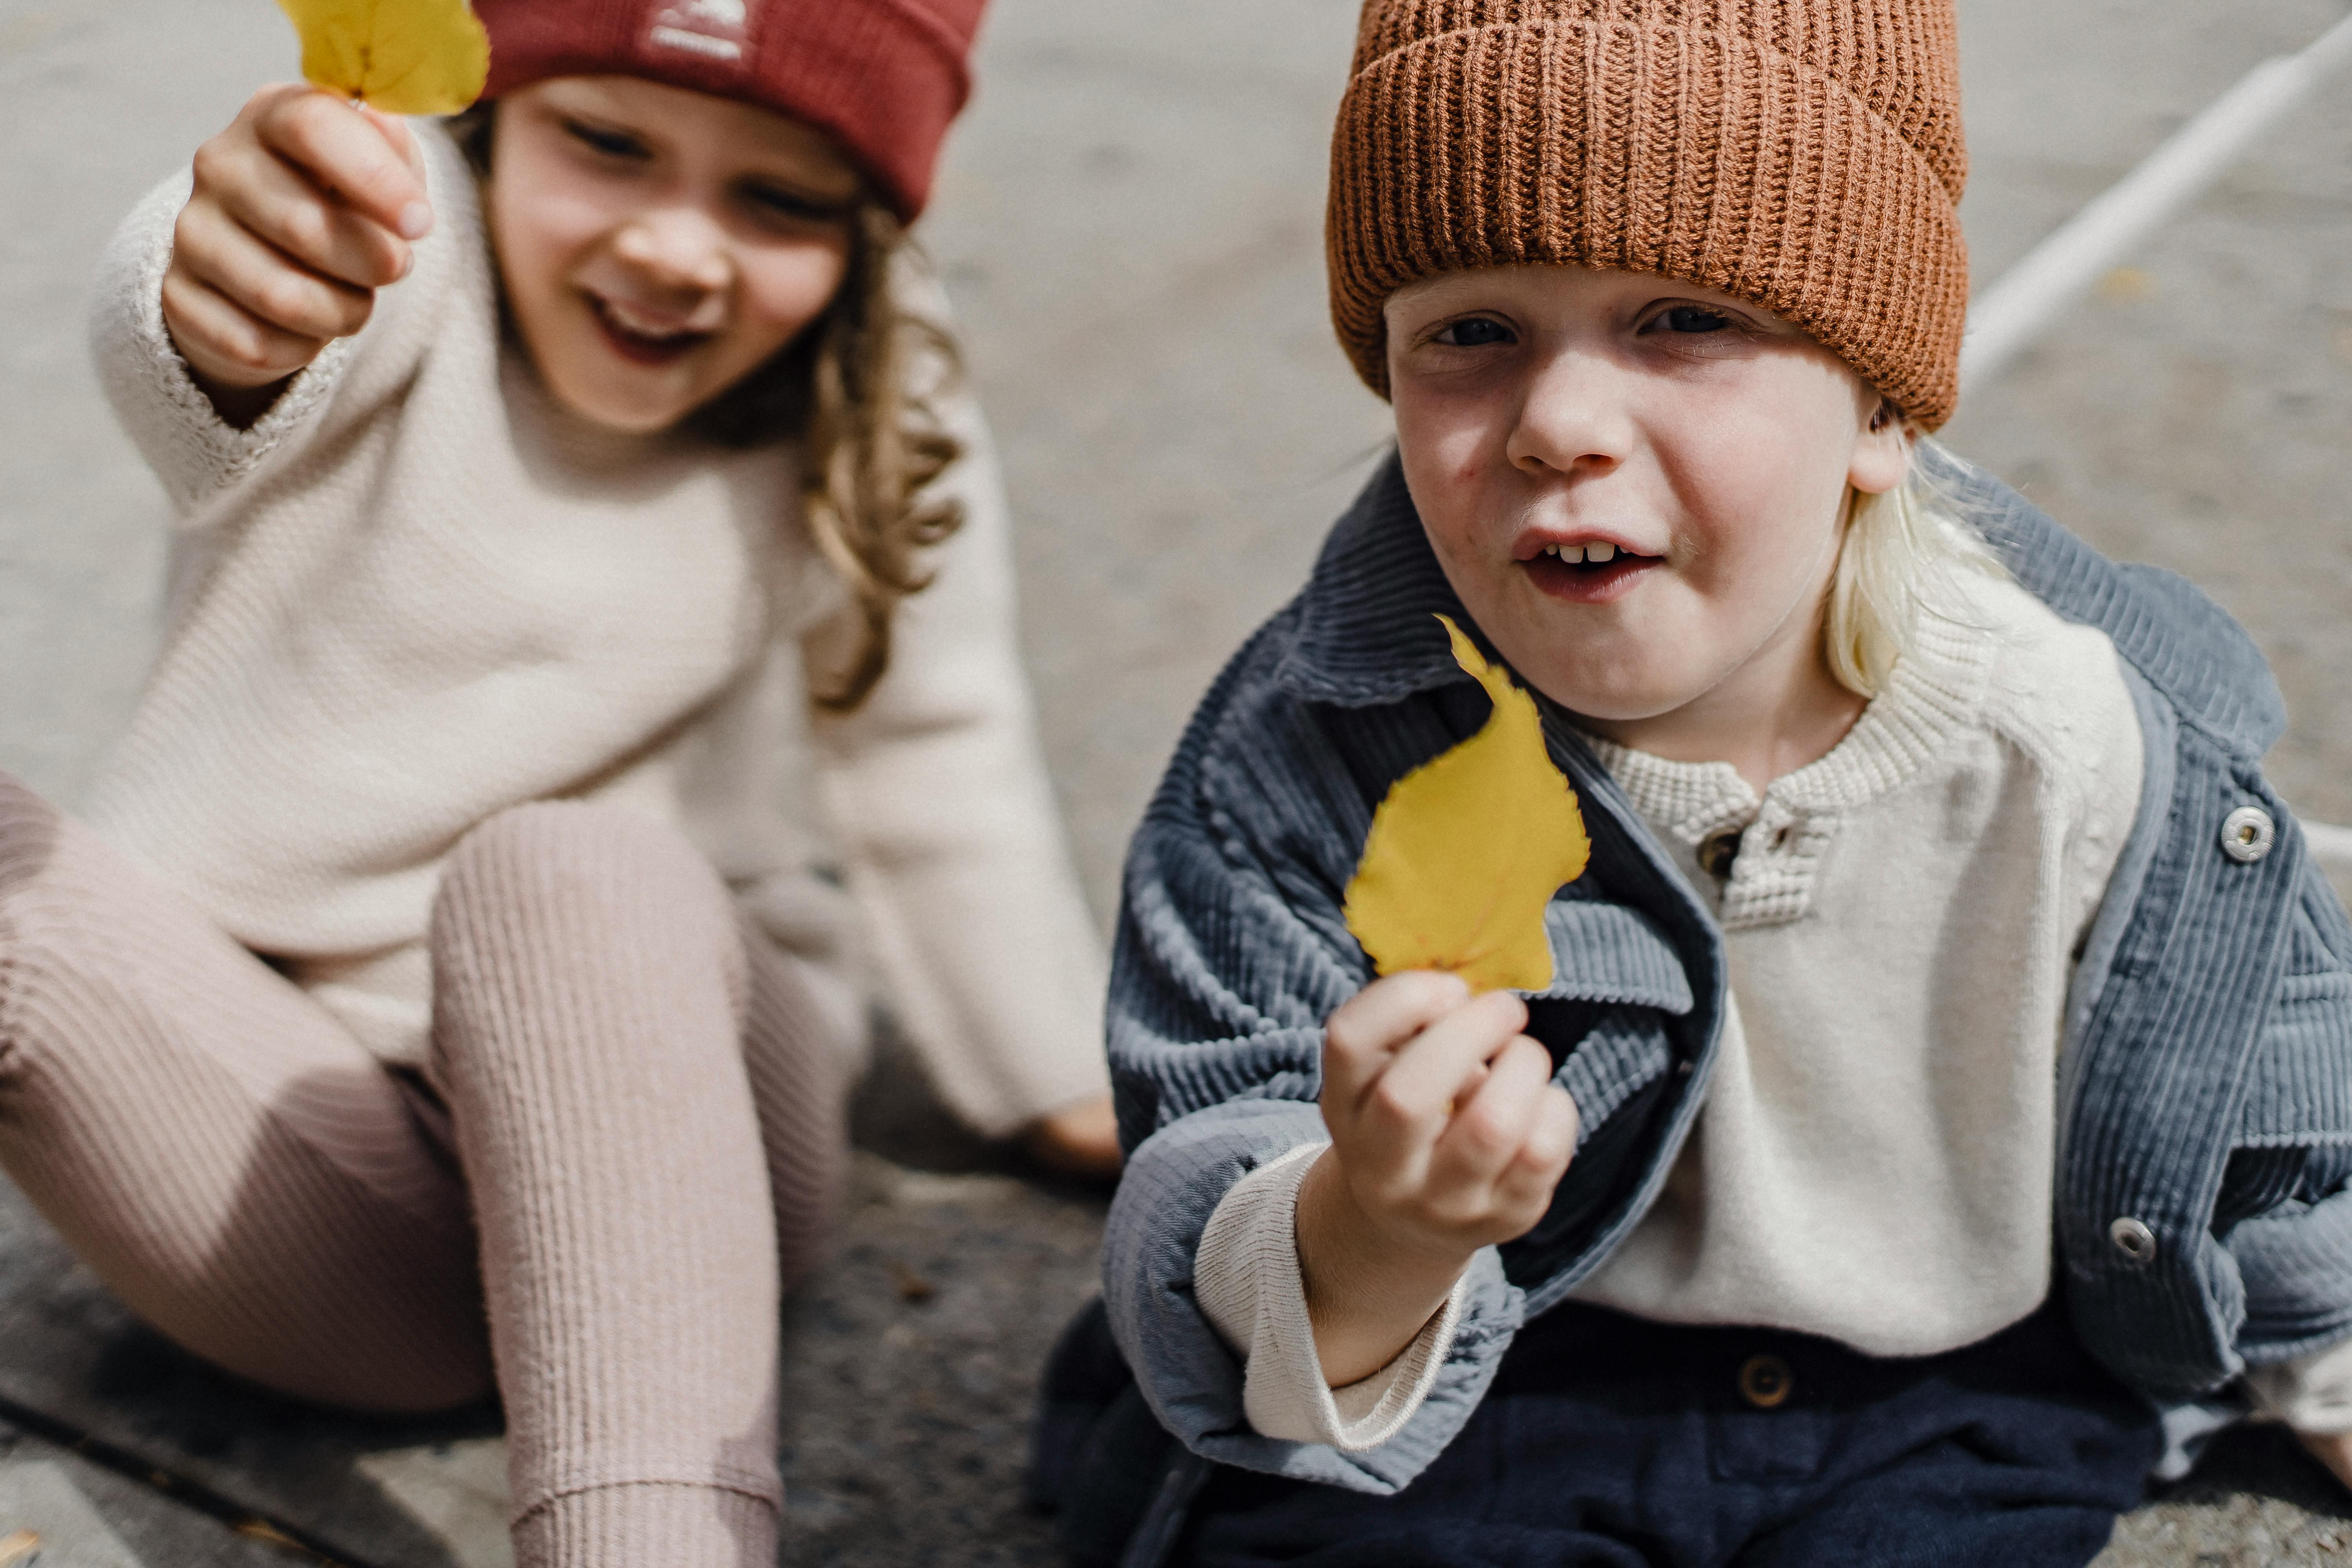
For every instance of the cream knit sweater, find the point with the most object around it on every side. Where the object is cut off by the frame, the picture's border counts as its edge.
(1876, 1159)
(417, 592)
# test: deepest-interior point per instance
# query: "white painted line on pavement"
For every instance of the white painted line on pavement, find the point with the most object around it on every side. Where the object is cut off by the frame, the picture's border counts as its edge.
(2330, 846)
(2013, 312)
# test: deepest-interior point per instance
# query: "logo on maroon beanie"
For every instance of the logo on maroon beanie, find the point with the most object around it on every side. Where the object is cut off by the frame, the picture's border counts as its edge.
(715, 29)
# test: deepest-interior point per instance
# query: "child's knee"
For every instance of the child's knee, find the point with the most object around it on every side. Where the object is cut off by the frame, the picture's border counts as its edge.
(570, 863)
(553, 898)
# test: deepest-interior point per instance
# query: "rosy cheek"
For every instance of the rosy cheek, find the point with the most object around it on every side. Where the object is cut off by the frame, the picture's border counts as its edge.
(785, 293)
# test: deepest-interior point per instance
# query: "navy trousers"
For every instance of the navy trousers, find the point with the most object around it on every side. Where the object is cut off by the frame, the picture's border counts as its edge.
(1609, 1442)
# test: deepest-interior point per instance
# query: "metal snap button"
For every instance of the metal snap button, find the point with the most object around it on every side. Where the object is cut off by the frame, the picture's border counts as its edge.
(1765, 1382)
(2133, 1239)
(2247, 834)
(1717, 851)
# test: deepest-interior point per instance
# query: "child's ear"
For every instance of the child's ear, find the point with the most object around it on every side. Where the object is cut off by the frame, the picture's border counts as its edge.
(1882, 455)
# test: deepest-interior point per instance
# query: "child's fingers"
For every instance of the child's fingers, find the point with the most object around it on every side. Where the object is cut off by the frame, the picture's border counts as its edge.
(1489, 1128)
(1447, 1060)
(395, 130)
(1522, 1194)
(226, 343)
(350, 158)
(1407, 1108)
(277, 204)
(222, 253)
(1528, 1181)
(1366, 1030)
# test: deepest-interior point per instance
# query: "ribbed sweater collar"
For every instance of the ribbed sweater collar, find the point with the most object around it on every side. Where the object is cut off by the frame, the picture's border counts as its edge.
(1936, 692)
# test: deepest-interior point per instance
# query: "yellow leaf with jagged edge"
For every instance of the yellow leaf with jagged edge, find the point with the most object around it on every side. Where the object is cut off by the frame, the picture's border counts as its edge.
(403, 57)
(1468, 849)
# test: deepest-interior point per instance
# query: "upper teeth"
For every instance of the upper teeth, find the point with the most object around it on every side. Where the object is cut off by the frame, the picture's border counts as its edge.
(631, 322)
(1577, 554)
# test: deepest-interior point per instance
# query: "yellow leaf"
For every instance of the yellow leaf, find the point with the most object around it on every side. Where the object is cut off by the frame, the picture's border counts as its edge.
(1468, 849)
(403, 57)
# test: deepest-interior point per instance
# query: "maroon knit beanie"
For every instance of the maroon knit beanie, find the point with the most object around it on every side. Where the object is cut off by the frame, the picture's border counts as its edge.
(883, 77)
(1803, 154)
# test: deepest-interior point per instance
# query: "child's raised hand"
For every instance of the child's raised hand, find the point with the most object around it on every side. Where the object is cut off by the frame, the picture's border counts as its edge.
(1446, 1135)
(302, 208)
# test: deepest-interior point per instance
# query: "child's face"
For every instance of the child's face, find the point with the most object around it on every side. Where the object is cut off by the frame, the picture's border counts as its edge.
(658, 245)
(1700, 447)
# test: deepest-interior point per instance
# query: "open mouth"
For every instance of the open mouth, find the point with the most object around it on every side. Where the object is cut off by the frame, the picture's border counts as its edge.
(1587, 573)
(641, 342)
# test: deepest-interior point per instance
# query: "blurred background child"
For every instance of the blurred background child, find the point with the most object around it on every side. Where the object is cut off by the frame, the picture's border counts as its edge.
(445, 931)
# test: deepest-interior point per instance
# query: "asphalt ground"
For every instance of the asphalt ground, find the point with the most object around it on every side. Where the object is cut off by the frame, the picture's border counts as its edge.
(1130, 221)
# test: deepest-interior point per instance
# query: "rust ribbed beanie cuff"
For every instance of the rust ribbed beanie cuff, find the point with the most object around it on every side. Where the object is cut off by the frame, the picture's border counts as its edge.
(1804, 155)
(883, 77)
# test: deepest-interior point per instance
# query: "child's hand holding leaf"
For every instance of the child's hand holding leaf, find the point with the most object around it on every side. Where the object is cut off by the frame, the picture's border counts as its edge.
(306, 205)
(302, 209)
(1447, 1135)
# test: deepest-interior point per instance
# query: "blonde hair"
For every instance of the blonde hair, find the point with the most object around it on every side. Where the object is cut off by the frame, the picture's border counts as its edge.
(860, 388)
(1905, 556)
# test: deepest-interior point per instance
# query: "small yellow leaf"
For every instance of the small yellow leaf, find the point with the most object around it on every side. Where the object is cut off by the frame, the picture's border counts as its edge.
(1468, 849)
(403, 57)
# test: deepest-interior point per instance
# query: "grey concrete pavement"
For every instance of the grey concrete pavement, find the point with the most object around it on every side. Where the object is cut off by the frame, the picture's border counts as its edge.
(1130, 221)
(2197, 411)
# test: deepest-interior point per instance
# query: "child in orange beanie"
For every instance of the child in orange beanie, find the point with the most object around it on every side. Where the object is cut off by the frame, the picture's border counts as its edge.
(447, 931)
(1941, 1112)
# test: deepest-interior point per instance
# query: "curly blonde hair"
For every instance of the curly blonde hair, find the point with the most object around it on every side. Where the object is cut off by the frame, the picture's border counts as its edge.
(859, 389)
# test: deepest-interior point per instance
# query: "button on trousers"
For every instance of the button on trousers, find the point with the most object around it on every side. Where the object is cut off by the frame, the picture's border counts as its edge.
(1608, 1440)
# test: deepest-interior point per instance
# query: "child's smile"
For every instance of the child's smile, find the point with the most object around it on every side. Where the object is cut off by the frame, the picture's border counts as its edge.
(656, 245)
(643, 339)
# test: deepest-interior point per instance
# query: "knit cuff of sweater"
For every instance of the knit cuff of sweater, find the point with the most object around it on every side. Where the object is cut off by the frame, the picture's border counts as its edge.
(209, 453)
(1247, 1280)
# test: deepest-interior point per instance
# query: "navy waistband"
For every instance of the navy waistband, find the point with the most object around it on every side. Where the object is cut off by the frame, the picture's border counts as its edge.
(1577, 1349)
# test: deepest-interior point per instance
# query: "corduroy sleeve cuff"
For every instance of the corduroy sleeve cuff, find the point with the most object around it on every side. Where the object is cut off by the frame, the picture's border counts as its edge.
(1196, 1384)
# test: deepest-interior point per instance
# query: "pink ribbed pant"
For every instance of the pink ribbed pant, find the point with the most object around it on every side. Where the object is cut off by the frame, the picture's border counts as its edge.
(638, 1134)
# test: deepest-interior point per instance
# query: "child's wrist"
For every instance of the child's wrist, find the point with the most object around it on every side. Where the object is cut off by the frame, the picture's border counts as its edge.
(1348, 1227)
(1370, 1288)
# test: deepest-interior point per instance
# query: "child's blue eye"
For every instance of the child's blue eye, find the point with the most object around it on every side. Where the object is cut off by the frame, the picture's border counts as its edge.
(1693, 319)
(611, 143)
(1475, 333)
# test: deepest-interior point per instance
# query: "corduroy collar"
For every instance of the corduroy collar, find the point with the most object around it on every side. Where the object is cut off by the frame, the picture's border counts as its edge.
(1366, 632)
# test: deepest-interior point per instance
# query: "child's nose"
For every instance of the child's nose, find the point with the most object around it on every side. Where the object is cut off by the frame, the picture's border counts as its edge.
(1575, 417)
(678, 247)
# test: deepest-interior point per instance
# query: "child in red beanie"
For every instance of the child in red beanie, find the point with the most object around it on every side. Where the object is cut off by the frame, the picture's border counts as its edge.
(442, 934)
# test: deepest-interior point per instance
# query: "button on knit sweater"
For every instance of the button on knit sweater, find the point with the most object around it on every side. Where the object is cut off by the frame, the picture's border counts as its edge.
(418, 592)
(1875, 1162)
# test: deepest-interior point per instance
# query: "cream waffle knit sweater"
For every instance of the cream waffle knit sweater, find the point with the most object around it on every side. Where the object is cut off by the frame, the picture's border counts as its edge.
(417, 593)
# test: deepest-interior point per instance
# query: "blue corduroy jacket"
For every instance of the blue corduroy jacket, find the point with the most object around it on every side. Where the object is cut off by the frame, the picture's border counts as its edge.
(2206, 1093)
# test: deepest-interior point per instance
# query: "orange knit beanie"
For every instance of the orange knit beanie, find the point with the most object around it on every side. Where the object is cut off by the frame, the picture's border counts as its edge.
(1804, 155)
